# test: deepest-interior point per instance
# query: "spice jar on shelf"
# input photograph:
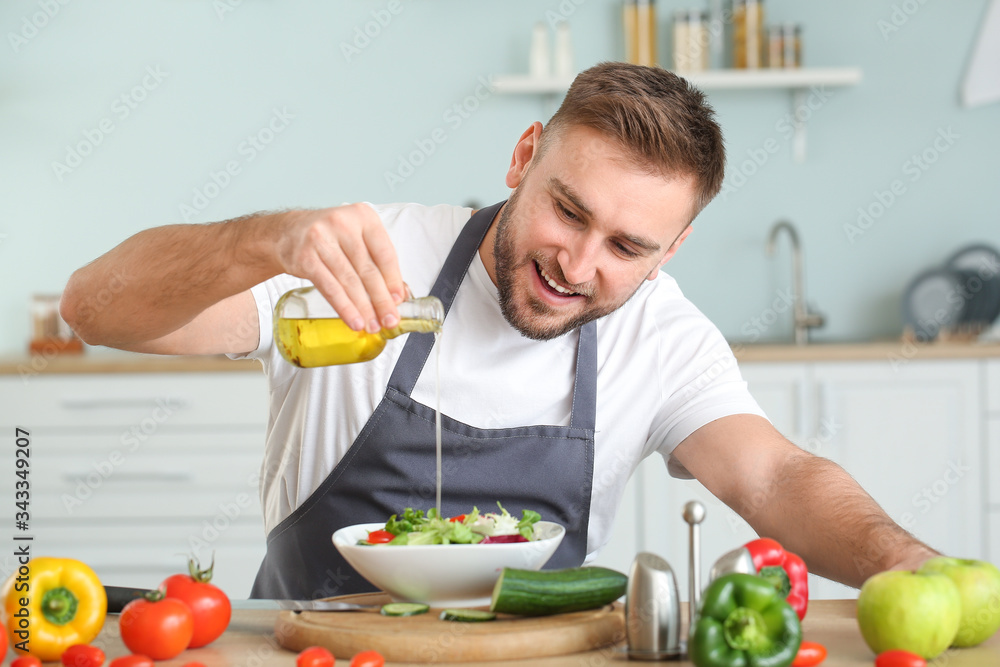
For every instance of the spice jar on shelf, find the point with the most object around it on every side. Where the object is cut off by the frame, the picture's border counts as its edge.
(748, 34)
(49, 332)
(691, 47)
(791, 45)
(639, 18)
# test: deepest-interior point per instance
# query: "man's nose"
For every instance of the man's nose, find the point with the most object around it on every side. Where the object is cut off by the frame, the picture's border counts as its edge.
(578, 259)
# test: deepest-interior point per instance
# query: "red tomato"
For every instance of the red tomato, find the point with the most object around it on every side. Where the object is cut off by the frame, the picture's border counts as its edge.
(210, 607)
(3, 641)
(30, 661)
(315, 656)
(898, 658)
(368, 659)
(380, 536)
(133, 660)
(82, 655)
(194, 663)
(160, 629)
(810, 653)
(458, 519)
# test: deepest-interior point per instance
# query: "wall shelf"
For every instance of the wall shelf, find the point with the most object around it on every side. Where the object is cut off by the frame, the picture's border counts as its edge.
(799, 82)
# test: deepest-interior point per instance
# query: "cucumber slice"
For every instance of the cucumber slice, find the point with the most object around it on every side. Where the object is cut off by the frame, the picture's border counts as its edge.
(403, 609)
(467, 615)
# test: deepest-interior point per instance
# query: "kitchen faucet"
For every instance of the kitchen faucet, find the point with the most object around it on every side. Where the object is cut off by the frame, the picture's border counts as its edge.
(804, 320)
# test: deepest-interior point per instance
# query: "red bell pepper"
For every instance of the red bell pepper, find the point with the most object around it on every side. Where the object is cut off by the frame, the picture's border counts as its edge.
(784, 569)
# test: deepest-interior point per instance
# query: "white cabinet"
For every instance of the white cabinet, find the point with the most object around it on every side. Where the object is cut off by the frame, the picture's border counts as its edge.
(992, 435)
(131, 472)
(911, 434)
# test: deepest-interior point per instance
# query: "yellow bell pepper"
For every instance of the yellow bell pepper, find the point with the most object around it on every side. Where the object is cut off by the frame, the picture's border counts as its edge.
(49, 604)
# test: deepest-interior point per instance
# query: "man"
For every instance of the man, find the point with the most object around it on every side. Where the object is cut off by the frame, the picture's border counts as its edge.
(567, 355)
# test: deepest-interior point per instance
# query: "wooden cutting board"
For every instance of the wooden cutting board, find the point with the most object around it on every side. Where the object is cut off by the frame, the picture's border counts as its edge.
(426, 638)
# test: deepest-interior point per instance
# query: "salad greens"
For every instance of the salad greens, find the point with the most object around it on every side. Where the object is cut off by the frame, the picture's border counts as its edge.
(417, 527)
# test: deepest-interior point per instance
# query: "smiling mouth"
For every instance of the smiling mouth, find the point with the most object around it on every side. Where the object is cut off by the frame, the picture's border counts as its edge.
(552, 284)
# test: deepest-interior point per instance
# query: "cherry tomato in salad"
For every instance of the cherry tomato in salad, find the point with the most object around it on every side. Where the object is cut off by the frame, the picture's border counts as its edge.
(32, 661)
(810, 654)
(160, 628)
(82, 655)
(210, 607)
(457, 519)
(380, 536)
(315, 656)
(899, 658)
(132, 660)
(368, 659)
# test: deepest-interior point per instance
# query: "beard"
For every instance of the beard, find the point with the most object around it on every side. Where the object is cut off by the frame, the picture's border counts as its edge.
(533, 318)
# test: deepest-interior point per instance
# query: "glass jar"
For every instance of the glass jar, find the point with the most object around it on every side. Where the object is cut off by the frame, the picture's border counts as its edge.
(309, 333)
(639, 18)
(791, 45)
(748, 34)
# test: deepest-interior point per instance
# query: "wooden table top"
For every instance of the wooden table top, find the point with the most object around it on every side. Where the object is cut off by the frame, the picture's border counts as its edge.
(250, 642)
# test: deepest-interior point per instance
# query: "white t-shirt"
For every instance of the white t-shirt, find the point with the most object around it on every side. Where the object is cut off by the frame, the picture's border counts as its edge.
(664, 370)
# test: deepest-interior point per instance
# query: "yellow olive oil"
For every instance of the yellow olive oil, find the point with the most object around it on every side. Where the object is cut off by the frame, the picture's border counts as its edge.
(328, 341)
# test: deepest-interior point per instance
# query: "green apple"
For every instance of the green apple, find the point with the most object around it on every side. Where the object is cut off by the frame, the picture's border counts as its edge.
(979, 586)
(917, 612)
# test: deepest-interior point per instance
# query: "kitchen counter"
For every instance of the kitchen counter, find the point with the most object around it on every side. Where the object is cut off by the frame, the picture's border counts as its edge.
(109, 361)
(888, 350)
(250, 642)
(121, 362)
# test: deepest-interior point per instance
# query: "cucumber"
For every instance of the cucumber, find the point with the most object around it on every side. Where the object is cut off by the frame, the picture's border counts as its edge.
(403, 609)
(544, 592)
(467, 615)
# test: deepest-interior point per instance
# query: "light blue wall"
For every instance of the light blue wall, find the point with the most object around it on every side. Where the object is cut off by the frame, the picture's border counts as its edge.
(226, 73)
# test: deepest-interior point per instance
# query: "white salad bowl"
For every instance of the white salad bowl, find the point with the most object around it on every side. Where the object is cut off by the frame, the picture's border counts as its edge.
(443, 575)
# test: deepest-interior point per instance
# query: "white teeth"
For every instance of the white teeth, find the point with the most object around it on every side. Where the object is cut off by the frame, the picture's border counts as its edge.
(553, 284)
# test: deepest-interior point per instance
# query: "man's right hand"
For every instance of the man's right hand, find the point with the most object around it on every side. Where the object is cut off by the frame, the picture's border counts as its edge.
(347, 254)
(187, 287)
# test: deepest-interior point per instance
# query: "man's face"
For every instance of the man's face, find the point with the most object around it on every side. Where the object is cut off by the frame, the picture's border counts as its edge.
(581, 231)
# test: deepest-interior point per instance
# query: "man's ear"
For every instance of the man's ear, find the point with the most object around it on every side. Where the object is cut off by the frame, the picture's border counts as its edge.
(524, 151)
(671, 251)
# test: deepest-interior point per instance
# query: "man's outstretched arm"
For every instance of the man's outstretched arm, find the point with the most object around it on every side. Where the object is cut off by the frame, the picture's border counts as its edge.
(809, 504)
(184, 289)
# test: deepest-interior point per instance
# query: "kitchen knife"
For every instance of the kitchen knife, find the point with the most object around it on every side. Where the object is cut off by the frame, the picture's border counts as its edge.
(119, 596)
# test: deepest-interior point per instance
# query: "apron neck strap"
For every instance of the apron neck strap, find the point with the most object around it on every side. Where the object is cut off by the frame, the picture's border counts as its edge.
(456, 265)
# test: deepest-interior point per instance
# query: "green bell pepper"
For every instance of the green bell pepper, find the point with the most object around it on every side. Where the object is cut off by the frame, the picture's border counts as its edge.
(744, 621)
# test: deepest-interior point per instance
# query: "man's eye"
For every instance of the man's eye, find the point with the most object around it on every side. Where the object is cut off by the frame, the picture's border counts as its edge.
(625, 250)
(565, 212)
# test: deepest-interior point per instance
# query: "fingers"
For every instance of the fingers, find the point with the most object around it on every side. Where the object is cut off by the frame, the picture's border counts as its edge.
(347, 254)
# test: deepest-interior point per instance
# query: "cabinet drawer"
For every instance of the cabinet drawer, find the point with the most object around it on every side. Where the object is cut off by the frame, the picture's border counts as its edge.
(142, 554)
(993, 385)
(167, 475)
(993, 460)
(145, 402)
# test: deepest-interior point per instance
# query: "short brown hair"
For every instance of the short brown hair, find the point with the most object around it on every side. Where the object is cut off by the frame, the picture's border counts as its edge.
(659, 118)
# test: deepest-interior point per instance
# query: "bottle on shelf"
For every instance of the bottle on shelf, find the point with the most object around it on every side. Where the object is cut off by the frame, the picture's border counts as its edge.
(639, 18)
(309, 333)
(748, 34)
(539, 64)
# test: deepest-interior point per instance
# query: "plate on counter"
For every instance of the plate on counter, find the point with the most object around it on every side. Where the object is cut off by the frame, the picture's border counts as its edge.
(933, 302)
(980, 266)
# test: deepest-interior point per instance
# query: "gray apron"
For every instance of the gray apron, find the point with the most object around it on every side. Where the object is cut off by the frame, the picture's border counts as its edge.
(392, 464)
